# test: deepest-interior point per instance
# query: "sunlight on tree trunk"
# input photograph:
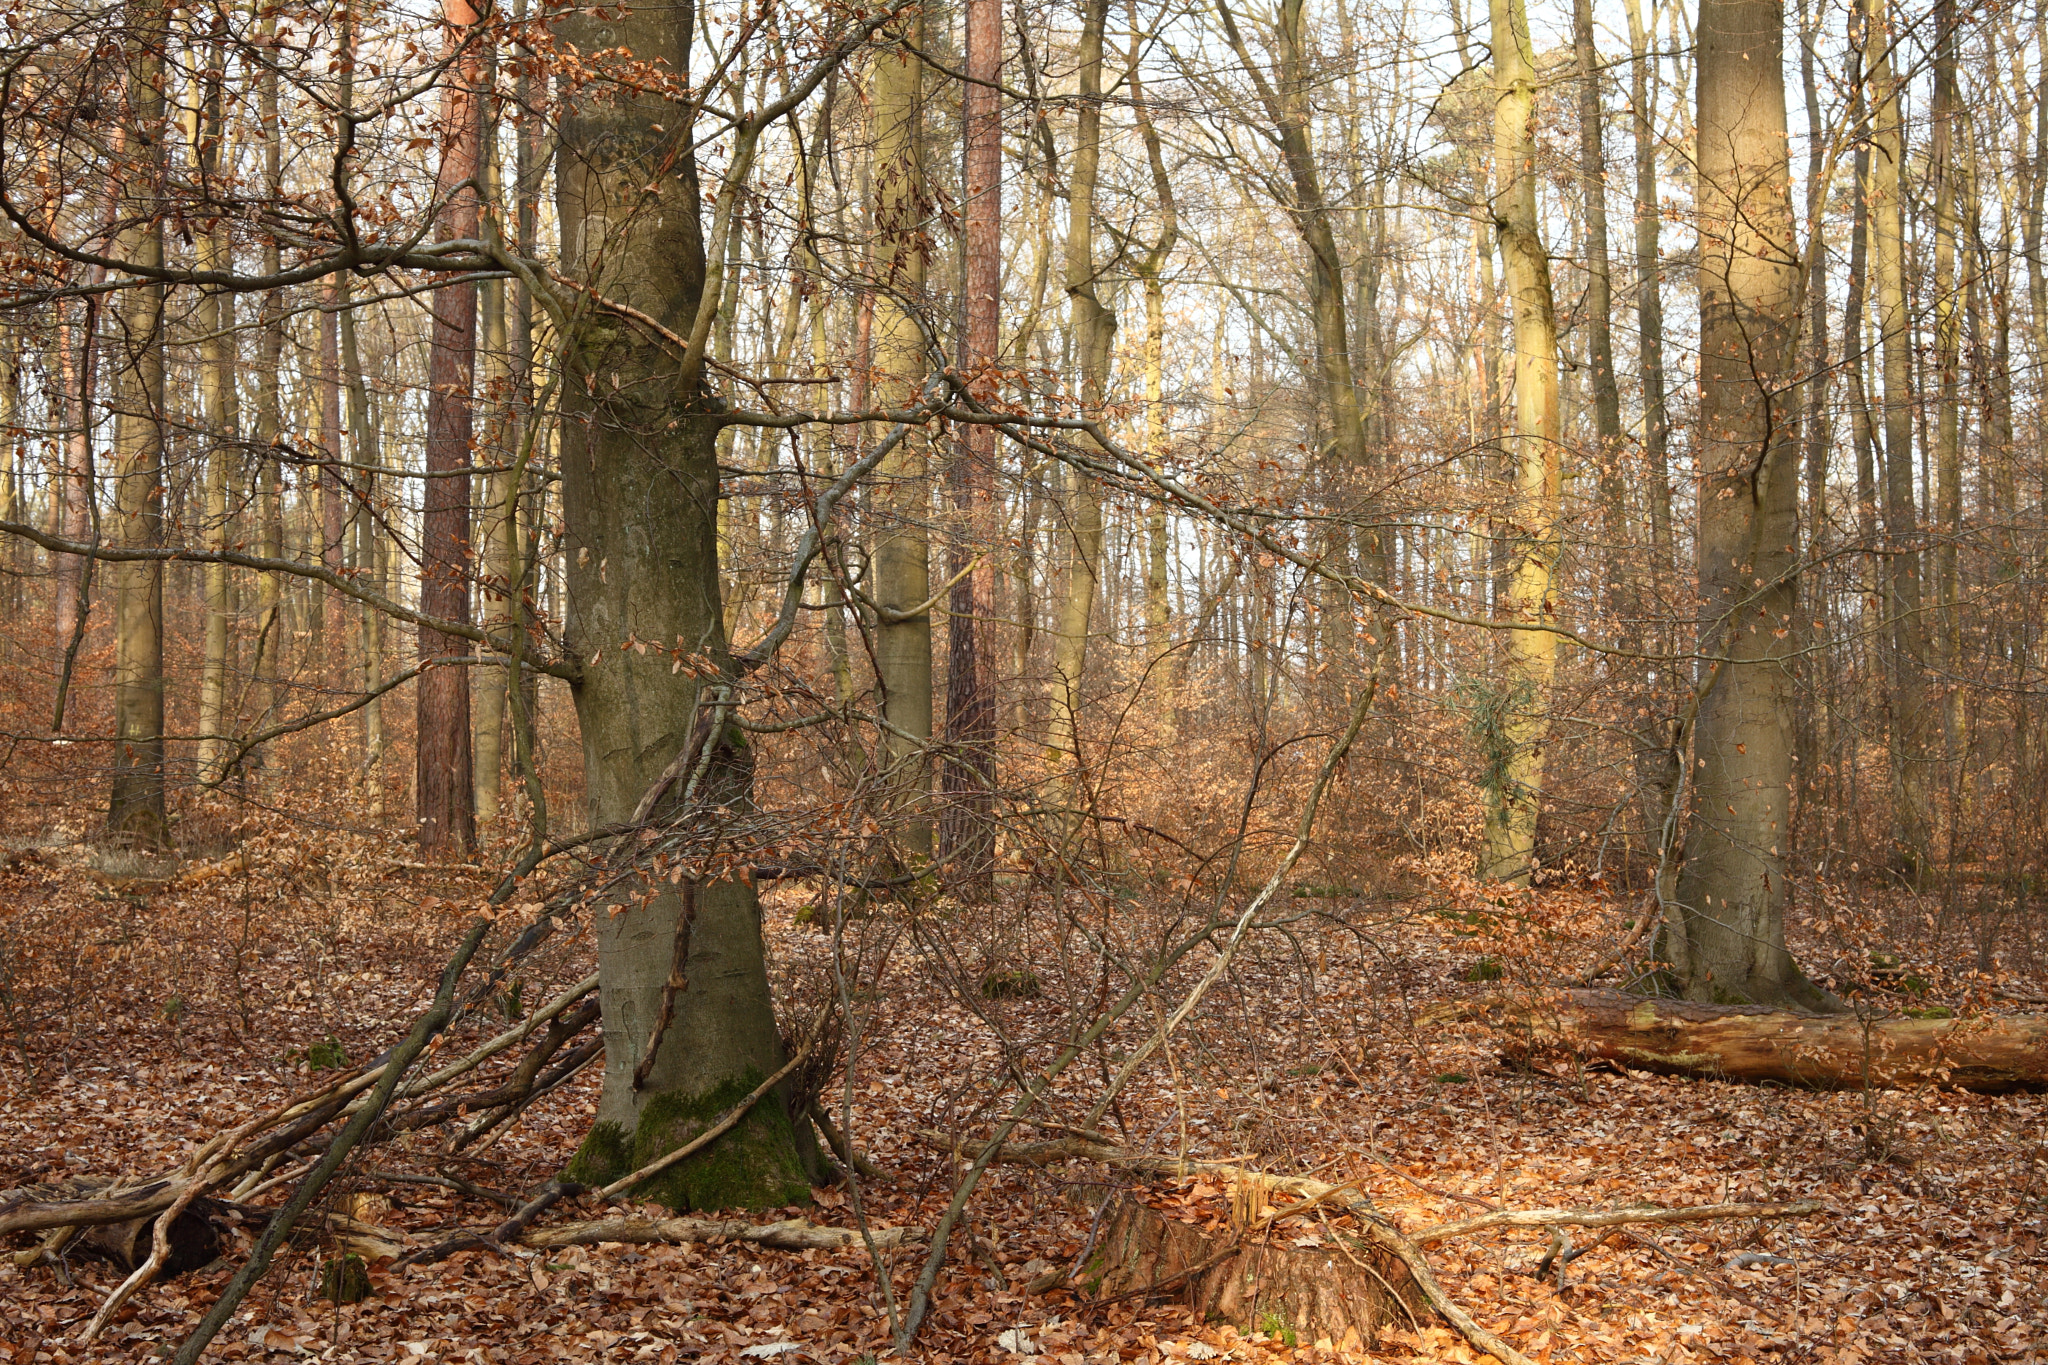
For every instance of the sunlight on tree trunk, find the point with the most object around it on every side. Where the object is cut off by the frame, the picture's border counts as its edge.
(1513, 721)
(1725, 931)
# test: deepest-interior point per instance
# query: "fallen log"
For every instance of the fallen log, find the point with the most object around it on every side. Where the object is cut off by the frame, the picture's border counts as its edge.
(1991, 1054)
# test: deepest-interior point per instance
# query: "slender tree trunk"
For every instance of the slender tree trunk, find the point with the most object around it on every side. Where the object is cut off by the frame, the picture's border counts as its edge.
(1952, 190)
(497, 519)
(268, 668)
(75, 361)
(901, 564)
(1600, 301)
(1650, 292)
(639, 490)
(1150, 270)
(446, 798)
(1094, 332)
(330, 608)
(136, 814)
(1724, 931)
(369, 538)
(1901, 566)
(1516, 724)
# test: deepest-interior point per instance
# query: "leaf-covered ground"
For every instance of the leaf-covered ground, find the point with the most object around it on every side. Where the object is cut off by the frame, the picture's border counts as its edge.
(144, 1010)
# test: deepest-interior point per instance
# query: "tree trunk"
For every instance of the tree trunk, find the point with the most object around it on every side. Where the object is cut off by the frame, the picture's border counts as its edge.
(497, 522)
(369, 546)
(446, 793)
(136, 816)
(1755, 1043)
(1600, 299)
(902, 551)
(1094, 332)
(1650, 290)
(639, 488)
(268, 665)
(966, 831)
(1724, 932)
(1515, 724)
(1900, 568)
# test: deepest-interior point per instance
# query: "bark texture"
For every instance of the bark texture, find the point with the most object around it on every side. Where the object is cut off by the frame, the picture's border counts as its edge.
(639, 499)
(1724, 926)
(446, 798)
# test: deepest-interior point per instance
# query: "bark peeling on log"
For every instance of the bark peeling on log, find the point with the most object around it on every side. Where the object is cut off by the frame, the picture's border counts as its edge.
(1343, 1293)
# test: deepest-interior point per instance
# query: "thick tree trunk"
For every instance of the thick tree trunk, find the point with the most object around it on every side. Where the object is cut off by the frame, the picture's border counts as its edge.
(446, 793)
(1755, 1043)
(1724, 930)
(639, 499)
(1516, 723)
(135, 813)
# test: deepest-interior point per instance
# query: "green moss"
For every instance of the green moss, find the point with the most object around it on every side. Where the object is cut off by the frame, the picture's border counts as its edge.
(604, 1156)
(755, 1166)
(1485, 969)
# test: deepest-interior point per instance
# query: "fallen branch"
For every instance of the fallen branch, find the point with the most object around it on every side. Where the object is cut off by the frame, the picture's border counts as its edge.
(1610, 1218)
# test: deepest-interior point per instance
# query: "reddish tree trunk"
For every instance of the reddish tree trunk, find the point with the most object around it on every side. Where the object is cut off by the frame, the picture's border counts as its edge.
(446, 801)
(966, 834)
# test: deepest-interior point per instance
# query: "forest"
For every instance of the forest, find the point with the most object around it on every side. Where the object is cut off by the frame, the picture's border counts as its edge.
(1268, 681)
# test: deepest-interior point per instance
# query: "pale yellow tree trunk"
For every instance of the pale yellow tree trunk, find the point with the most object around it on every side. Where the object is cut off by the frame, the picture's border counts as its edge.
(902, 552)
(1513, 721)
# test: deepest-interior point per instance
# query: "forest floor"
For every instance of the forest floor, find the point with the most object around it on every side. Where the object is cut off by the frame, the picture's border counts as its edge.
(142, 1016)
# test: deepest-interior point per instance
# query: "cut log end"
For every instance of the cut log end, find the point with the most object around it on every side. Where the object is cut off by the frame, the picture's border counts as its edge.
(1344, 1290)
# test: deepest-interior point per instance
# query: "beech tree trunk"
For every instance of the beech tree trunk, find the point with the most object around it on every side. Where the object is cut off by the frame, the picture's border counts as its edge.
(1724, 928)
(639, 488)
(902, 501)
(446, 798)
(1991, 1054)
(135, 813)
(1515, 722)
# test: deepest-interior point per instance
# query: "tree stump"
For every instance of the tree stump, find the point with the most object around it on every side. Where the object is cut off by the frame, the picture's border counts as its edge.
(1301, 1281)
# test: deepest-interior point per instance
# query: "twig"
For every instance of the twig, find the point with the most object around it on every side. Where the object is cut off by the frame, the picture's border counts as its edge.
(1610, 1218)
